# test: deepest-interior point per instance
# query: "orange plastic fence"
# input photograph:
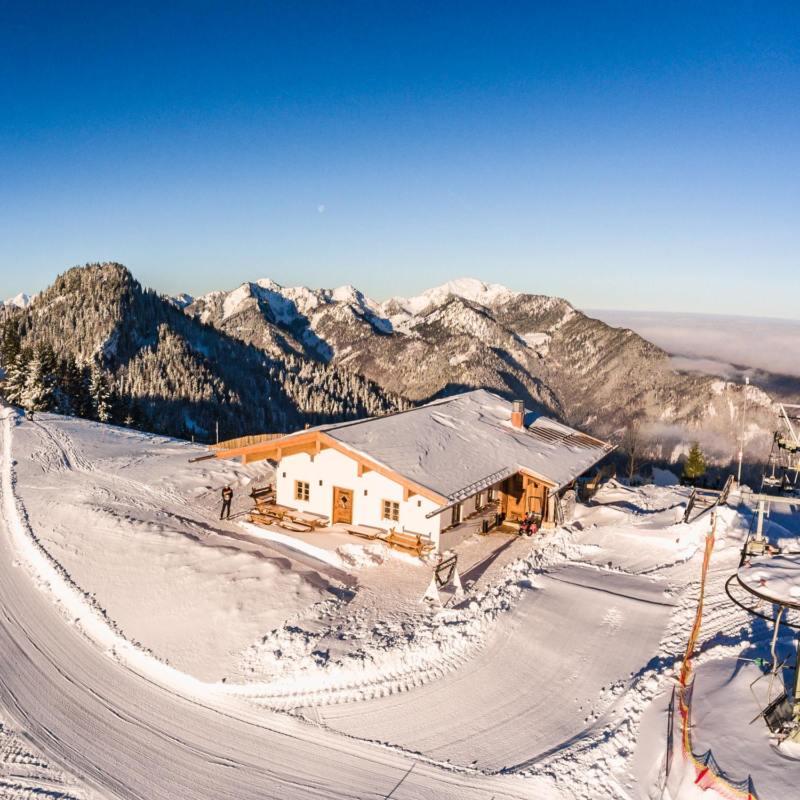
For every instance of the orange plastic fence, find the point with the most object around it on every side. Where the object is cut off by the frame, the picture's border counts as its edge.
(708, 774)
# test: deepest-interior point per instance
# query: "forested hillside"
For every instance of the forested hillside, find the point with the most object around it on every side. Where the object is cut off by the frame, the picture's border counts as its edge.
(98, 345)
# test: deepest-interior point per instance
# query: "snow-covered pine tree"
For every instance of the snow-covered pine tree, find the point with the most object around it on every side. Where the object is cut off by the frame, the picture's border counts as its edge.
(38, 392)
(80, 393)
(100, 394)
(17, 377)
(10, 344)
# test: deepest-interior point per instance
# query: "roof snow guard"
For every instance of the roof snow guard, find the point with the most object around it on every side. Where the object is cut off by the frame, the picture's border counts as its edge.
(463, 444)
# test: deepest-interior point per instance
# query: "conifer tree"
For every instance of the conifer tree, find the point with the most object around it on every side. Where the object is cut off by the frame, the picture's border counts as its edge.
(695, 466)
(16, 378)
(100, 394)
(37, 394)
(10, 344)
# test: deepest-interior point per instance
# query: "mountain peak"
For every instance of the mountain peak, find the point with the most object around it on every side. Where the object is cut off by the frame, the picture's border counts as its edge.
(21, 300)
(471, 289)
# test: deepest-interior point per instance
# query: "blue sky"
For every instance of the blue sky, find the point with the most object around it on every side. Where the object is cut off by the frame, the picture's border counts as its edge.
(623, 155)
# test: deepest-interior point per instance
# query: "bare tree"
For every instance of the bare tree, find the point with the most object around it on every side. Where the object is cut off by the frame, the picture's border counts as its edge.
(633, 446)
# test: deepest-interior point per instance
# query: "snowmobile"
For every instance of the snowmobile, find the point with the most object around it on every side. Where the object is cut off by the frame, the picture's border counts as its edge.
(529, 524)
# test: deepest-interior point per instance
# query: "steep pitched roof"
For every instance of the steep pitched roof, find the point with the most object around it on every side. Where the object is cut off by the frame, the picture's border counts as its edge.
(461, 444)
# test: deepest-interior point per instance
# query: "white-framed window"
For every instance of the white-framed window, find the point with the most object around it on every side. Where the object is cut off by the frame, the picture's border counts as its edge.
(391, 510)
(302, 491)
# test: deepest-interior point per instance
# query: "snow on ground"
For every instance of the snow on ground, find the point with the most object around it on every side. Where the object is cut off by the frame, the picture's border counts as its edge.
(536, 684)
(124, 514)
(549, 679)
(26, 775)
(724, 705)
(130, 731)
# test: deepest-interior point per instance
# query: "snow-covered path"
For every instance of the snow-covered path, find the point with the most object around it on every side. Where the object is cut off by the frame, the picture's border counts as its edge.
(539, 681)
(127, 737)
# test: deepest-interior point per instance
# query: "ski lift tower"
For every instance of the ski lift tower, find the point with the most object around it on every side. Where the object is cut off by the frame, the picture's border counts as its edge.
(786, 451)
(769, 587)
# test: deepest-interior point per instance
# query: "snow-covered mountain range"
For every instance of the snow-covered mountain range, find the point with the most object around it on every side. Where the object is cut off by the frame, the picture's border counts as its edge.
(166, 371)
(331, 353)
(468, 333)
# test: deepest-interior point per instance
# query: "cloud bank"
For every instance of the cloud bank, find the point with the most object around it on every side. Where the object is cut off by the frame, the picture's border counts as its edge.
(719, 345)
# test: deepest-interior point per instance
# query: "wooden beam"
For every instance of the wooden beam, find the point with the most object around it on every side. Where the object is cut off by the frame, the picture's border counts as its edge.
(269, 449)
(540, 478)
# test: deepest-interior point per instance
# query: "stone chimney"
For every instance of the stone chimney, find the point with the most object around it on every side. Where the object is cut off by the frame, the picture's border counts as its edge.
(518, 414)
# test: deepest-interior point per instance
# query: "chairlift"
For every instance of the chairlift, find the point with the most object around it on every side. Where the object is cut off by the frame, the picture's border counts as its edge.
(781, 713)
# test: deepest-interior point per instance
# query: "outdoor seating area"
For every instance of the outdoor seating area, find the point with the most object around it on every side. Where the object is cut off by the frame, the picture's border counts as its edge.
(284, 517)
(266, 511)
(413, 543)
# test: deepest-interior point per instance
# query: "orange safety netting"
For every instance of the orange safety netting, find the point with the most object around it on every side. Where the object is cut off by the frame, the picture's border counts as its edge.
(708, 774)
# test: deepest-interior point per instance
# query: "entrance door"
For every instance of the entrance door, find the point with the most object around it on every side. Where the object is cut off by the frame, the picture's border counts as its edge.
(342, 505)
(514, 497)
(537, 496)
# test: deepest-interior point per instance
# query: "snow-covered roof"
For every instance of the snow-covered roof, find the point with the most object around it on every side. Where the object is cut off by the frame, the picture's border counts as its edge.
(459, 445)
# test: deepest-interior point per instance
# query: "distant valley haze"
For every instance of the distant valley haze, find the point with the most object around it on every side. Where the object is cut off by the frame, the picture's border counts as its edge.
(728, 346)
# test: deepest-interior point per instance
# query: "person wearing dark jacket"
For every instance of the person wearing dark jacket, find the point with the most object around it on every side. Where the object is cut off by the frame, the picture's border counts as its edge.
(227, 497)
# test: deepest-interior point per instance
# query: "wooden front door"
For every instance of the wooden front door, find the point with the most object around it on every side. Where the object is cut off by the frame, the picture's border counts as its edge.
(514, 491)
(342, 505)
(537, 497)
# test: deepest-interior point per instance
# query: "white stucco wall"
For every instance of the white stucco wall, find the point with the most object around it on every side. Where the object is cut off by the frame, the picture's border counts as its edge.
(331, 468)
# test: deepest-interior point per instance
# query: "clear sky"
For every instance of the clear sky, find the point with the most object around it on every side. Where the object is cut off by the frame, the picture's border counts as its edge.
(626, 155)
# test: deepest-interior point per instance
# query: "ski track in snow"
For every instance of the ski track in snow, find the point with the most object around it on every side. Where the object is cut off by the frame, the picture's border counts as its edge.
(126, 736)
(129, 727)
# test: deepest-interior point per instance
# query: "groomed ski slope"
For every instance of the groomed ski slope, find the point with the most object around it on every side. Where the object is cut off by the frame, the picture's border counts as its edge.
(551, 681)
(125, 736)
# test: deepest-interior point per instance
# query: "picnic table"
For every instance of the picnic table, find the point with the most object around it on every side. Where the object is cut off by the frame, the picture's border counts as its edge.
(286, 517)
(366, 531)
(313, 521)
(414, 543)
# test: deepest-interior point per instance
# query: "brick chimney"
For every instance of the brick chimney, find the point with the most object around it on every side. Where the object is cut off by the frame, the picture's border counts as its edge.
(518, 414)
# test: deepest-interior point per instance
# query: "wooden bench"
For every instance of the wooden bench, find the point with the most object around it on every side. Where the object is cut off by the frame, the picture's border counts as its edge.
(412, 542)
(366, 531)
(286, 521)
(269, 513)
(290, 524)
(290, 518)
(264, 495)
(312, 521)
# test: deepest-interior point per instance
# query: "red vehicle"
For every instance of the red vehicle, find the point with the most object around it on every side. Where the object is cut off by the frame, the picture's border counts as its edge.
(529, 524)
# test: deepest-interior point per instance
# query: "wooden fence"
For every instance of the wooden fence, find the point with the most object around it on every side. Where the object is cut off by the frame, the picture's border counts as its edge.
(244, 441)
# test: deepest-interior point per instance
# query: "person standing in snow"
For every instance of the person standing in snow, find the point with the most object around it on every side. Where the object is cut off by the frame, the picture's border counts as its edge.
(227, 497)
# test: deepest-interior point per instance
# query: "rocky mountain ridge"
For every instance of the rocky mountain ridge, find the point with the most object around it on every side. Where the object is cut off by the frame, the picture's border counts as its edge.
(173, 373)
(468, 333)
